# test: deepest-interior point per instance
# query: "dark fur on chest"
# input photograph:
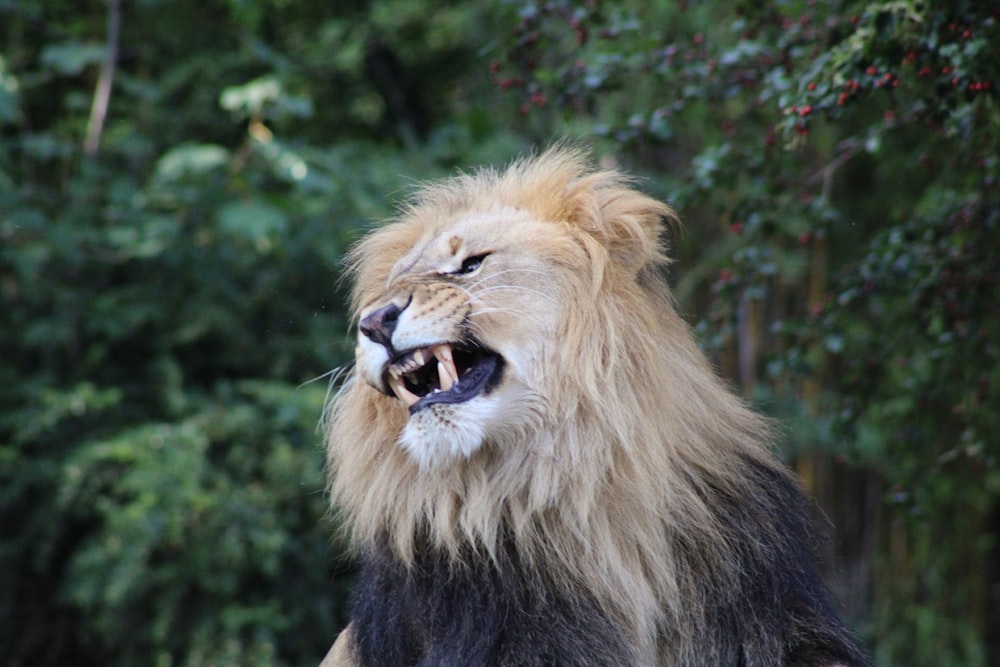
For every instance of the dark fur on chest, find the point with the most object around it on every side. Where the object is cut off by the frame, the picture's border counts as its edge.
(477, 613)
(773, 610)
(766, 606)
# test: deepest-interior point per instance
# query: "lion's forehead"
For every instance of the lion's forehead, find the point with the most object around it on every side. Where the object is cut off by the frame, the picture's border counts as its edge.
(442, 245)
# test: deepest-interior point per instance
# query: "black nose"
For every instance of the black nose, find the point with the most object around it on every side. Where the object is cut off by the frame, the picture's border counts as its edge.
(379, 325)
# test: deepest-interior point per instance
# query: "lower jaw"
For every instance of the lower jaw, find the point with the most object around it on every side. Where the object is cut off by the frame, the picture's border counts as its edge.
(484, 378)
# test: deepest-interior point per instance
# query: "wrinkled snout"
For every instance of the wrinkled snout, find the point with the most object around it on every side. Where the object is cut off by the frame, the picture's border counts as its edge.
(378, 325)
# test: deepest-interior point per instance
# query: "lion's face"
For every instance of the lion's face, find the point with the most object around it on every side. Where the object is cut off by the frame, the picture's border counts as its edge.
(456, 331)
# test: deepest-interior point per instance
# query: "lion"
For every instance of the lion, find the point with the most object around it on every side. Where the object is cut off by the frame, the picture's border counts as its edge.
(536, 464)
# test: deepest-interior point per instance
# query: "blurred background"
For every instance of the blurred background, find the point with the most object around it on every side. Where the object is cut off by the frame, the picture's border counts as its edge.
(179, 181)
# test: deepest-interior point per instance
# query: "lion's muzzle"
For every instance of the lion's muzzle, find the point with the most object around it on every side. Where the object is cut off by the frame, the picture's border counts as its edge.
(379, 325)
(431, 356)
(444, 373)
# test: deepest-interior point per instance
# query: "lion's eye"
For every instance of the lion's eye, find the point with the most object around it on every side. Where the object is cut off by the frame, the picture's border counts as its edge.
(471, 263)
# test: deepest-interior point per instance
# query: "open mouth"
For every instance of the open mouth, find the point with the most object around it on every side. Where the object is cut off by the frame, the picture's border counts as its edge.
(443, 373)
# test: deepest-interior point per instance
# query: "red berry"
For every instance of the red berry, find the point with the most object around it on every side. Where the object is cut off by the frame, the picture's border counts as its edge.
(512, 82)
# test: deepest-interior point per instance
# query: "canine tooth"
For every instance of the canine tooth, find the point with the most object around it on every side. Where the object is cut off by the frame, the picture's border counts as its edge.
(446, 365)
(444, 376)
(399, 388)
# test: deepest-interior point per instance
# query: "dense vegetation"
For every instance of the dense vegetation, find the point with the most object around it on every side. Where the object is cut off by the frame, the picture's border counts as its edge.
(178, 182)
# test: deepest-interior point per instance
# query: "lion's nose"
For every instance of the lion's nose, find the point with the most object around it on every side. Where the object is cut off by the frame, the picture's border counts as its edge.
(379, 325)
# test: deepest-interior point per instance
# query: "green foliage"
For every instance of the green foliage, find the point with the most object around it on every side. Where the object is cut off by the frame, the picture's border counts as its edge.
(160, 460)
(171, 313)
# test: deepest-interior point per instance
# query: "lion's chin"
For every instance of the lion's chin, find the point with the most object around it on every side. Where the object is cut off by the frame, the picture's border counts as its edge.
(442, 434)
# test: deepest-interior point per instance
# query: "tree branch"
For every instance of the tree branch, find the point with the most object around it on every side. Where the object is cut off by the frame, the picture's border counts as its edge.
(102, 95)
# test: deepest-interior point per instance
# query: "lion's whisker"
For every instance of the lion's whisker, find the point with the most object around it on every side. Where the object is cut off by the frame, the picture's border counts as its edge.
(500, 273)
(526, 290)
(491, 310)
(334, 374)
(336, 377)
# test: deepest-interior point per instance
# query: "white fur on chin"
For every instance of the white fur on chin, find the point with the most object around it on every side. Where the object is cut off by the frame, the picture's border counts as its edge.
(442, 434)
(438, 435)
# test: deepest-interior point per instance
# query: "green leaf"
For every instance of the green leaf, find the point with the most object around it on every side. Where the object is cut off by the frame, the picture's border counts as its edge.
(9, 97)
(72, 57)
(251, 97)
(253, 220)
(190, 160)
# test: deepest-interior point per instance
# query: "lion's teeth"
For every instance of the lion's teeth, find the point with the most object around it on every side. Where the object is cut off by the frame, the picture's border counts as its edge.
(447, 372)
(399, 388)
(444, 376)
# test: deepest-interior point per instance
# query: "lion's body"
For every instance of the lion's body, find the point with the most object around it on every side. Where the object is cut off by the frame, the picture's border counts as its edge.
(589, 492)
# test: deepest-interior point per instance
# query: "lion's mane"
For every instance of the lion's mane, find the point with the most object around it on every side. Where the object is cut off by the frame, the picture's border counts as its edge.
(641, 489)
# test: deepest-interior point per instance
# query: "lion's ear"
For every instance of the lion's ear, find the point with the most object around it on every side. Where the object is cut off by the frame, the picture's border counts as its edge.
(626, 222)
